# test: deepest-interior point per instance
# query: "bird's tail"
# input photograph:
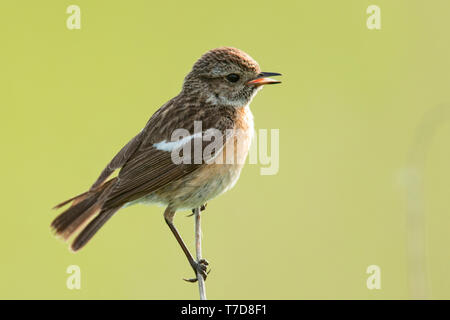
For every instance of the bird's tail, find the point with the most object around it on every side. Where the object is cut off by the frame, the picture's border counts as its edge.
(85, 215)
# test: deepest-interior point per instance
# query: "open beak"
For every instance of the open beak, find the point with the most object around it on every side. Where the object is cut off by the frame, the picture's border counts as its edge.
(263, 78)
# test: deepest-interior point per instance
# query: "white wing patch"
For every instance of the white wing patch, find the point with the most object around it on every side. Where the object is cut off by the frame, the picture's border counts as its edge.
(172, 145)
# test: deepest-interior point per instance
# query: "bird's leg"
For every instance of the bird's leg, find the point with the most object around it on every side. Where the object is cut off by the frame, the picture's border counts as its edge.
(199, 266)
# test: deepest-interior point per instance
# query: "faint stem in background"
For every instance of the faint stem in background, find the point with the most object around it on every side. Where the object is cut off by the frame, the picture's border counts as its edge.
(198, 250)
(413, 179)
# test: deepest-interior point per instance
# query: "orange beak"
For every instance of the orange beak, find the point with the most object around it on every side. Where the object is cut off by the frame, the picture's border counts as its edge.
(263, 78)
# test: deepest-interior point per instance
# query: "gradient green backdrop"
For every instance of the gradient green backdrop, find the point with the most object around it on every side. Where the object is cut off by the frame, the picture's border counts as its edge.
(364, 140)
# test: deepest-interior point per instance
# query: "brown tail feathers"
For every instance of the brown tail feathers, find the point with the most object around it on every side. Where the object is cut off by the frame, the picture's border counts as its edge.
(79, 215)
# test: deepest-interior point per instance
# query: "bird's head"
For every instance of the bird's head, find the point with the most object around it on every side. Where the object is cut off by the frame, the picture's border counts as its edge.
(226, 76)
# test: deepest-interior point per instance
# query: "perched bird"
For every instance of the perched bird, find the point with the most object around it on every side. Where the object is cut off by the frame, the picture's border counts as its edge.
(213, 103)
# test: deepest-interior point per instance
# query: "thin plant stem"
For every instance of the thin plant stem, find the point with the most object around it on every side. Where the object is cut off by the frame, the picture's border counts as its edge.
(198, 250)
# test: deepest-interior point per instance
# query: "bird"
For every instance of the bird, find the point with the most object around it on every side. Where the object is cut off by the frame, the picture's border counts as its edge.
(209, 123)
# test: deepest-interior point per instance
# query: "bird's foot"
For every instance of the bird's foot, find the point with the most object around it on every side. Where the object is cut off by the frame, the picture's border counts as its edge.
(200, 267)
(202, 208)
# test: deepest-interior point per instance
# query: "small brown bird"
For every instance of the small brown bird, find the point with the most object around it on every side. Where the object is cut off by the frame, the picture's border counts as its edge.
(213, 103)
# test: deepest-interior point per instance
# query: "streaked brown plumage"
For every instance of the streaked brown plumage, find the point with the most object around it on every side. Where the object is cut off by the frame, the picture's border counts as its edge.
(147, 170)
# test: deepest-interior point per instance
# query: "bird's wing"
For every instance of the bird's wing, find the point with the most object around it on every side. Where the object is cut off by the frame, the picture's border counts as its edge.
(152, 168)
(153, 165)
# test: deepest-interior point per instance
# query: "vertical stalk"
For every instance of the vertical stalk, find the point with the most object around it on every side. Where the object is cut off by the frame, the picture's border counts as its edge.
(198, 250)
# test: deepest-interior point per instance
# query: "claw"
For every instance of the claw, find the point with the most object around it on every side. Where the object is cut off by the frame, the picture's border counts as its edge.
(193, 280)
(204, 261)
(200, 267)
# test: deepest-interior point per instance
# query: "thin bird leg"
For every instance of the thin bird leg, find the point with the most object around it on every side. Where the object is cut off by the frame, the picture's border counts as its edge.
(200, 266)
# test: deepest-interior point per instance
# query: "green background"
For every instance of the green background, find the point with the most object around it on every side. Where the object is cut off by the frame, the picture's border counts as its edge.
(364, 145)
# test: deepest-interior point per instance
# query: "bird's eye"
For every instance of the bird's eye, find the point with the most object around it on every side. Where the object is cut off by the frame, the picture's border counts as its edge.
(233, 77)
